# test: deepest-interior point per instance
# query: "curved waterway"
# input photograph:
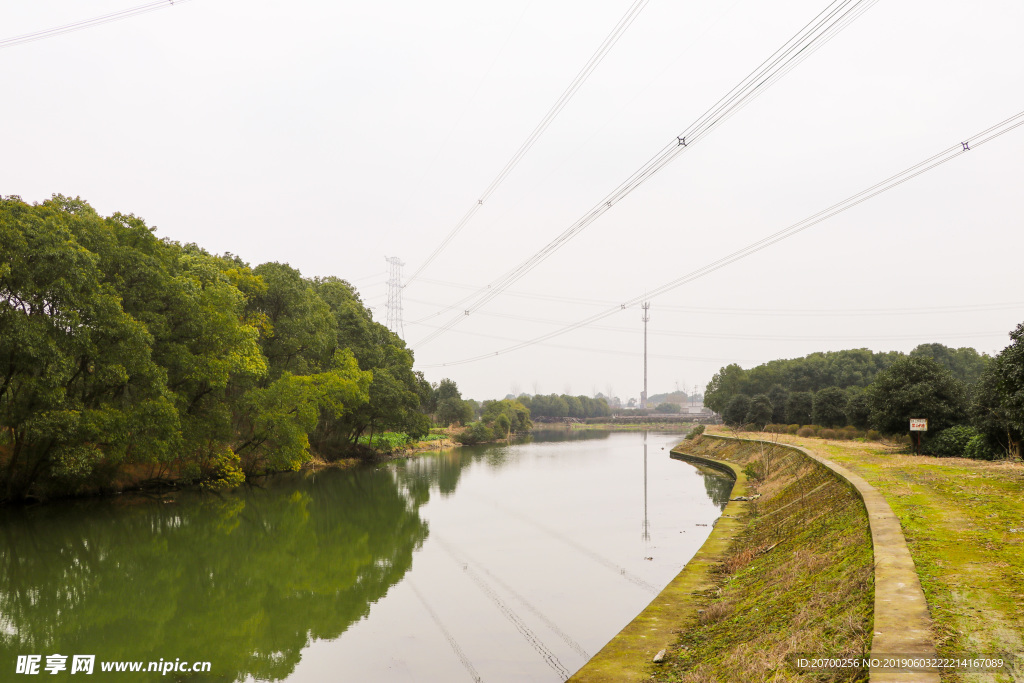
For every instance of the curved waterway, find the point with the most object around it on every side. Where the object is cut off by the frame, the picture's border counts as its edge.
(492, 563)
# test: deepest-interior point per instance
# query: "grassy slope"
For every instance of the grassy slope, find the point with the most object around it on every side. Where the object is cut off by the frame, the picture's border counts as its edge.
(956, 515)
(798, 580)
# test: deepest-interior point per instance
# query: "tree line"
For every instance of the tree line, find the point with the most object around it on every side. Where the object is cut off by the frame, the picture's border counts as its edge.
(974, 403)
(563, 405)
(124, 356)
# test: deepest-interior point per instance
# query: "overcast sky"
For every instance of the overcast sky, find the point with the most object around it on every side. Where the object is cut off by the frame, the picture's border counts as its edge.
(329, 135)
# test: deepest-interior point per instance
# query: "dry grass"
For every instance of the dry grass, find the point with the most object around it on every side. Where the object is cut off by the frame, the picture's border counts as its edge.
(798, 581)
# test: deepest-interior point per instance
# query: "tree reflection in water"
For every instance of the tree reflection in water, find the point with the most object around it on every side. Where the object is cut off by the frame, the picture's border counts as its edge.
(244, 581)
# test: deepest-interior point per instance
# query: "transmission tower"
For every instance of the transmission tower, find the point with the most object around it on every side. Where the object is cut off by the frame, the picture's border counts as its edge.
(647, 316)
(394, 306)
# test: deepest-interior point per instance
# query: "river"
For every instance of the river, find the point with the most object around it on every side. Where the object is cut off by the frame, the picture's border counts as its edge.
(494, 563)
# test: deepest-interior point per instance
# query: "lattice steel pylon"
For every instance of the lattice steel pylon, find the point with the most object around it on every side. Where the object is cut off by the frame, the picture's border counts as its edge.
(394, 306)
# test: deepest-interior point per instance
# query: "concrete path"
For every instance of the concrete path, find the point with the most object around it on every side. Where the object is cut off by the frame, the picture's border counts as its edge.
(903, 625)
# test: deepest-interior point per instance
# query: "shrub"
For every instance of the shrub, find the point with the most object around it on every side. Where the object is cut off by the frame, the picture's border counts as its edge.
(950, 442)
(805, 431)
(827, 434)
(477, 432)
(874, 435)
(850, 433)
(792, 429)
(224, 471)
(695, 432)
(386, 442)
(754, 470)
(978, 448)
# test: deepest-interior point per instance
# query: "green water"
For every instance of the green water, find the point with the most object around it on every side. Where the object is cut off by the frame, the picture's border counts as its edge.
(478, 562)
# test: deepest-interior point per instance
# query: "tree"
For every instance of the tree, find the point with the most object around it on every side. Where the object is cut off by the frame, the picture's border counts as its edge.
(759, 413)
(78, 384)
(858, 409)
(916, 388)
(452, 410)
(778, 397)
(301, 332)
(447, 389)
(998, 409)
(735, 414)
(727, 383)
(965, 363)
(506, 417)
(829, 407)
(667, 408)
(799, 407)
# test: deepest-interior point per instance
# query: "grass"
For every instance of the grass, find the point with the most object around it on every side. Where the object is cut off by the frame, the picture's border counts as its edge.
(434, 437)
(386, 442)
(957, 516)
(797, 581)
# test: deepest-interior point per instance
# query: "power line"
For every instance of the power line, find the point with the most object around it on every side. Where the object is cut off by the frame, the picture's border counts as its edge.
(89, 23)
(773, 312)
(612, 352)
(808, 39)
(602, 51)
(751, 337)
(973, 142)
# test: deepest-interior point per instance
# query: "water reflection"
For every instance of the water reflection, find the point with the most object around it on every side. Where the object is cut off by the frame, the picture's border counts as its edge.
(249, 580)
(717, 485)
(245, 581)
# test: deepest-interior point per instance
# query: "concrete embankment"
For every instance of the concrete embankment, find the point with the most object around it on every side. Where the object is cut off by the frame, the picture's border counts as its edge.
(811, 565)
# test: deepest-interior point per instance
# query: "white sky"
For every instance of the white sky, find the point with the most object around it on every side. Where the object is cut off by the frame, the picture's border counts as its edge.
(329, 135)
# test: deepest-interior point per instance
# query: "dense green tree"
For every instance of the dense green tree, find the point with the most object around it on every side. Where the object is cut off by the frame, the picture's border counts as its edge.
(799, 407)
(301, 331)
(726, 383)
(990, 413)
(396, 394)
(998, 410)
(858, 409)
(446, 389)
(966, 364)
(916, 388)
(735, 414)
(667, 408)
(779, 397)
(80, 389)
(574, 408)
(829, 407)
(507, 417)
(759, 413)
(816, 371)
(122, 351)
(454, 410)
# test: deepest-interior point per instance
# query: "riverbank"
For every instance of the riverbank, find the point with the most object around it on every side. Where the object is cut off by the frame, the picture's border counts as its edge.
(787, 572)
(964, 524)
